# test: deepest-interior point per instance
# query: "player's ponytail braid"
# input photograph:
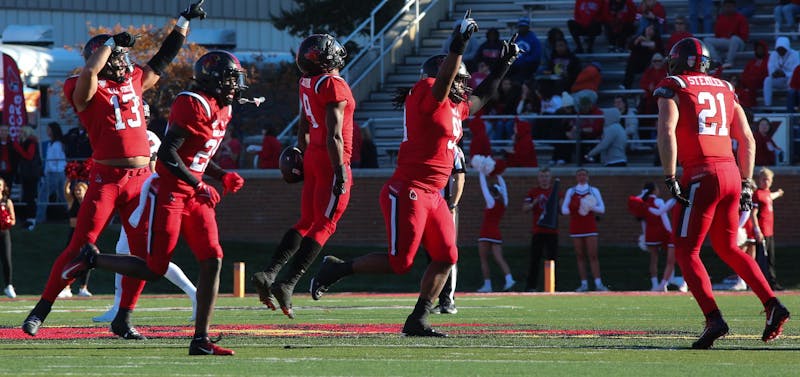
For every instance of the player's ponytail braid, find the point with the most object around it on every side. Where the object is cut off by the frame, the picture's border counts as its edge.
(400, 96)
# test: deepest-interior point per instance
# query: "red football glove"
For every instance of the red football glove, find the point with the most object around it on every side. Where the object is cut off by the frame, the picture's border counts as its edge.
(232, 182)
(206, 194)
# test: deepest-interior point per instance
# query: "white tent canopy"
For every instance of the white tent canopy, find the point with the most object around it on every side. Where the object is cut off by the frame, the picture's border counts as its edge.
(40, 65)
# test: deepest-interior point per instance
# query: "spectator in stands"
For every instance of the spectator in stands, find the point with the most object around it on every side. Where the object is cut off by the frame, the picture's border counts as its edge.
(564, 66)
(550, 101)
(76, 143)
(651, 12)
(754, 73)
(785, 12)
(489, 51)
(746, 8)
(730, 33)
(794, 91)
(700, 11)
(643, 47)
(613, 142)
(524, 154)
(747, 97)
(270, 151)
(528, 62)
(656, 72)
(781, 64)
(369, 151)
(589, 124)
(227, 156)
(563, 153)
(30, 171)
(680, 31)
(620, 23)
(629, 120)
(553, 35)
(582, 203)
(529, 100)
(481, 73)
(8, 157)
(587, 84)
(766, 150)
(508, 95)
(588, 22)
(54, 179)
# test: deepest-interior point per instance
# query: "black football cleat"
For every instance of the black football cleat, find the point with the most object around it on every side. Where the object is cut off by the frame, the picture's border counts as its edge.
(715, 329)
(81, 263)
(329, 274)
(283, 295)
(206, 346)
(420, 327)
(32, 324)
(124, 330)
(263, 283)
(777, 315)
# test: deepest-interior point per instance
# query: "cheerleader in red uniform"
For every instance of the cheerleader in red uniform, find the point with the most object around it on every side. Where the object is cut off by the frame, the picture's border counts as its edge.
(7, 220)
(582, 203)
(658, 235)
(491, 241)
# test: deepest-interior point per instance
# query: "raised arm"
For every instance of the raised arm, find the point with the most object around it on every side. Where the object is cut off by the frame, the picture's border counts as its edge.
(171, 45)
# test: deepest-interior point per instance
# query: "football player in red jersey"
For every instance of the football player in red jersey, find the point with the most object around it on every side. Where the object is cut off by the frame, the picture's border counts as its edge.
(325, 135)
(698, 116)
(107, 96)
(183, 204)
(414, 211)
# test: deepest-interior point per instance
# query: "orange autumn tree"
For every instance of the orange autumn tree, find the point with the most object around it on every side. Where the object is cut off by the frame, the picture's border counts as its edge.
(176, 76)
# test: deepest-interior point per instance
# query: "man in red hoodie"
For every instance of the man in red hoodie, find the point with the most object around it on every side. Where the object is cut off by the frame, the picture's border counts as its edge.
(730, 33)
(755, 71)
(588, 22)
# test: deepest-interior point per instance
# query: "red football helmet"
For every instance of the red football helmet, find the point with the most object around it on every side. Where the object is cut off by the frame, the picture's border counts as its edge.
(689, 54)
(291, 165)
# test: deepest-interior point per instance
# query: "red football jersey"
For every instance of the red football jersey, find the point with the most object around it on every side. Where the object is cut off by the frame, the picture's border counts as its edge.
(114, 119)
(706, 135)
(543, 195)
(315, 94)
(206, 123)
(431, 132)
(766, 215)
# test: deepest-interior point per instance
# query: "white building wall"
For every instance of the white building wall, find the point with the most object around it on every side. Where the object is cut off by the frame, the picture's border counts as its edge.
(70, 27)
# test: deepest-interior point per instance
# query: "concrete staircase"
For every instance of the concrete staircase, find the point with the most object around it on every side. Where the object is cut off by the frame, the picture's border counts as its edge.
(385, 122)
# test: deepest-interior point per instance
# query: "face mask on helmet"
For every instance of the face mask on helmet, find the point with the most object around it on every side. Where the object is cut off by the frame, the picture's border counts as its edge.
(118, 64)
(688, 55)
(460, 90)
(220, 75)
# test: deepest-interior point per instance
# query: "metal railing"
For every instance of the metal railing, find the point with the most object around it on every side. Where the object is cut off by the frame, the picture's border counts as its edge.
(376, 40)
(786, 136)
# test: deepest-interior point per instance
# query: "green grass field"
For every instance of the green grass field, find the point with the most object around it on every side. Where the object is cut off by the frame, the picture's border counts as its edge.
(619, 334)
(626, 333)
